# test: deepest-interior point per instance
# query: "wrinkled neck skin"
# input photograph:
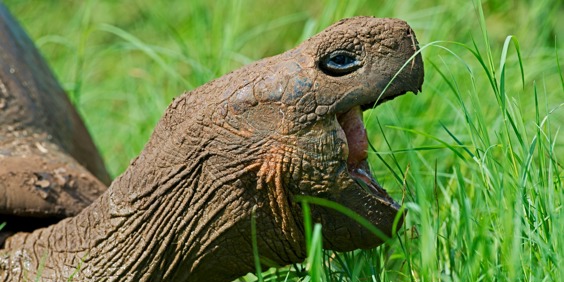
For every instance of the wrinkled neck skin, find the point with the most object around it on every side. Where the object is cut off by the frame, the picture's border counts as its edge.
(182, 210)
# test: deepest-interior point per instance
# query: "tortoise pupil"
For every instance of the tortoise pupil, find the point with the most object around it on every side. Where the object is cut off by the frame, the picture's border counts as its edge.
(340, 59)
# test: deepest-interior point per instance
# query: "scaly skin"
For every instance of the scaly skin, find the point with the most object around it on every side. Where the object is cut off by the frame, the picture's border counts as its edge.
(253, 139)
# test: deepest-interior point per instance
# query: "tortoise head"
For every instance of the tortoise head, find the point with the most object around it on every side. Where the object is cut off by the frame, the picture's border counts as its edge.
(305, 110)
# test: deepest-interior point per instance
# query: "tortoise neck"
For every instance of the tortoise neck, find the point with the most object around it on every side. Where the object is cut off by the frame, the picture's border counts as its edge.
(154, 223)
(180, 212)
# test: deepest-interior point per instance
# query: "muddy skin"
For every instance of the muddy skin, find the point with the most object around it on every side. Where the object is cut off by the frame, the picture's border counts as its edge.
(49, 166)
(253, 139)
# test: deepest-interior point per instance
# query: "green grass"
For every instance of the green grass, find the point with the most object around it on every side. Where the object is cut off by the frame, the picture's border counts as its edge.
(477, 157)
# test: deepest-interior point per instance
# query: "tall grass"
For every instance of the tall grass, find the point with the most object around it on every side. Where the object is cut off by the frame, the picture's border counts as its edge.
(476, 158)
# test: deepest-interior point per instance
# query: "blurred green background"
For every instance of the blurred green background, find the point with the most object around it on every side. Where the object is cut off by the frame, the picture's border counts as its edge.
(477, 157)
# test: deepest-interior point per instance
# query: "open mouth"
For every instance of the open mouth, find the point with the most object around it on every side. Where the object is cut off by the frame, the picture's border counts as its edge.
(352, 124)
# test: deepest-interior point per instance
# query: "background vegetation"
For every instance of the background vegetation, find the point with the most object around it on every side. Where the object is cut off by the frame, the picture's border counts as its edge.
(477, 157)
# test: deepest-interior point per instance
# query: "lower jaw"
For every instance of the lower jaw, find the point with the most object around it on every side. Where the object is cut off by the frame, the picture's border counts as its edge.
(361, 174)
(357, 140)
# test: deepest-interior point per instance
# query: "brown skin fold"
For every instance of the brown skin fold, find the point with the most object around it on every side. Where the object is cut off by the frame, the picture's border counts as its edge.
(251, 140)
(49, 166)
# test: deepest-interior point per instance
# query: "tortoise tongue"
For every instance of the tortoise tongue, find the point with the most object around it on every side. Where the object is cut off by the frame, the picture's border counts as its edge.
(357, 140)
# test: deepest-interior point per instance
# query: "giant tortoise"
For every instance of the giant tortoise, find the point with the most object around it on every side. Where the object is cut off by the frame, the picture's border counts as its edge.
(246, 144)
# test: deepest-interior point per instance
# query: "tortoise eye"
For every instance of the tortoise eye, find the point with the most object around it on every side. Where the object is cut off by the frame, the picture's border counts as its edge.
(339, 63)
